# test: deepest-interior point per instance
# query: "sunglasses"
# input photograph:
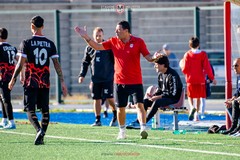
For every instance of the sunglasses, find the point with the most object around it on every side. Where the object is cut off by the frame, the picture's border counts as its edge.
(235, 65)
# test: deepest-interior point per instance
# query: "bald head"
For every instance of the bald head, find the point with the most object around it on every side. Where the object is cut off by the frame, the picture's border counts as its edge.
(236, 65)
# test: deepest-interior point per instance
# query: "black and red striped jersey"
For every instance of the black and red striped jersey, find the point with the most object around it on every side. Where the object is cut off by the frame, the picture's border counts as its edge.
(7, 61)
(38, 50)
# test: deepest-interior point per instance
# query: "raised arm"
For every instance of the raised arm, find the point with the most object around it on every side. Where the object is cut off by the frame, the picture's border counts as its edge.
(82, 32)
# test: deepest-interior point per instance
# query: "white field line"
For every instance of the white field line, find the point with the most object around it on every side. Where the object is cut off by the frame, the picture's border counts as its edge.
(131, 144)
(178, 140)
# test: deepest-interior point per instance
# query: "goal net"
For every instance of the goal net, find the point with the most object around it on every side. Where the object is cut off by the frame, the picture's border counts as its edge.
(235, 29)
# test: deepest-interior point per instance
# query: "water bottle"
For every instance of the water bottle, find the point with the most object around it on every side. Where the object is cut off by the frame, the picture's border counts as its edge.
(183, 131)
(179, 132)
(176, 132)
(154, 126)
(157, 119)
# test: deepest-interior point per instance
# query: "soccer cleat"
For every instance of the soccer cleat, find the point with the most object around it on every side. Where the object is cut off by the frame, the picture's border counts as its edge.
(121, 135)
(96, 124)
(39, 137)
(133, 125)
(105, 114)
(10, 126)
(237, 134)
(191, 116)
(113, 122)
(237, 129)
(3, 124)
(143, 134)
(228, 131)
(231, 129)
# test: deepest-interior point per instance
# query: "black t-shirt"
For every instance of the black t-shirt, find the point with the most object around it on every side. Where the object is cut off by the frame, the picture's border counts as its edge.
(101, 62)
(169, 84)
(38, 50)
(7, 61)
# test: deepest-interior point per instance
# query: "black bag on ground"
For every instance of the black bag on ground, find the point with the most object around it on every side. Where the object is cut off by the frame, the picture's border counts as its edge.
(216, 129)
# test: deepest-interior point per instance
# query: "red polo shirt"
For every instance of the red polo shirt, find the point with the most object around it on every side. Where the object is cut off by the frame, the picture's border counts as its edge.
(127, 59)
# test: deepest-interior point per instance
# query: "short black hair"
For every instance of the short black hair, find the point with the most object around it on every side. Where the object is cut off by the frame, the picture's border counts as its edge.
(125, 25)
(162, 59)
(3, 33)
(37, 21)
(194, 42)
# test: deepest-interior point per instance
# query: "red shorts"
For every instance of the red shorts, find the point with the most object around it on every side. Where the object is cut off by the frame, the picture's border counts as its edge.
(196, 90)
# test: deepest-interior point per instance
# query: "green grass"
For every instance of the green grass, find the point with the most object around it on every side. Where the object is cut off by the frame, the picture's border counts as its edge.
(82, 142)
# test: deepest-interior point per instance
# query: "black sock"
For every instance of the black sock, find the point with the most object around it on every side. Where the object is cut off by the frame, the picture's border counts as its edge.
(114, 114)
(45, 121)
(9, 110)
(4, 113)
(33, 119)
(98, 118)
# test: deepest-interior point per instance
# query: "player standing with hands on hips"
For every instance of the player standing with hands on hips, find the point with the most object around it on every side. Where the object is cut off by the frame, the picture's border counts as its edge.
(36, 52)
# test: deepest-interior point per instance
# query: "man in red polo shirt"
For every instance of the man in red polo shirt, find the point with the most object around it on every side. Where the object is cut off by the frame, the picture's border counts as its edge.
(127, 50)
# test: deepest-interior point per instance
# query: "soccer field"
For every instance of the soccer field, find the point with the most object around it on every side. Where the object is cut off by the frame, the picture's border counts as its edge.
(83, 142)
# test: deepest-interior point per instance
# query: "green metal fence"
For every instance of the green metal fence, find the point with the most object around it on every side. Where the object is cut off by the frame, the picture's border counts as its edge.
(155, 25)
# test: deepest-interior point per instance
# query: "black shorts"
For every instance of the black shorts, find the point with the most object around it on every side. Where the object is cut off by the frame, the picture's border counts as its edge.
(102, 90)
(5, 92)
(121, 93)
(36, 97)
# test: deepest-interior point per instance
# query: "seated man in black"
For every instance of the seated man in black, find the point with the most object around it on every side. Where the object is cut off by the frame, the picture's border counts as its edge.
(233, 103)
(168, 91)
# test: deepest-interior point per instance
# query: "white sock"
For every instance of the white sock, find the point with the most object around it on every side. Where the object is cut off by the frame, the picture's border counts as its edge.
(122, 128)
(4, 120)
(12, 122)
(194, 102)
(196, 116)
(143, 126)
(203, 105)
(192, 105)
